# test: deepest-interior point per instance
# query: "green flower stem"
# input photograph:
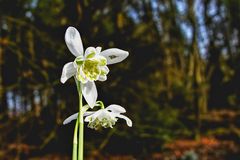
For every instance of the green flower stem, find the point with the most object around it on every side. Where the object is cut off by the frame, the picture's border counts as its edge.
(81, 123)
(75, 141)
(101, 104)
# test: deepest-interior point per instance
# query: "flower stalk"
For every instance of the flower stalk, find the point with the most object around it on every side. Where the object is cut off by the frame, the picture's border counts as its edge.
(80, 122)
(75, 141)
(101, 104)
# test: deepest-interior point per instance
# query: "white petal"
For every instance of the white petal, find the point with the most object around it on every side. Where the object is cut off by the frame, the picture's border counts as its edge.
(73, 41)
(88, 118)
(89, 50)
(90, 94)
(102, 78)
(114, 55)
(88, 113)
(70, 118)
(75, 116)
(98, 49)
(68, 71)
(129, 121)
(103, 113)
(82, 77)
(105, 69)
(93, 116)
(116, 108)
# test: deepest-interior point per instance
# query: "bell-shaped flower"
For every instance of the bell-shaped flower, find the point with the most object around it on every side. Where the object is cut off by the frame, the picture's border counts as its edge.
(88, 66)
(105, 118)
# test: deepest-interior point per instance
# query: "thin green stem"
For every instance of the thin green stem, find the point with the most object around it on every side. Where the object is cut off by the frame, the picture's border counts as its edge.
(81, 125)
(75, 141)
(101, 104)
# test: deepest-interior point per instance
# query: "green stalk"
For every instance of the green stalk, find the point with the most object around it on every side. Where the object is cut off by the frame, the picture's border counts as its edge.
(81, 124)
(75, 141)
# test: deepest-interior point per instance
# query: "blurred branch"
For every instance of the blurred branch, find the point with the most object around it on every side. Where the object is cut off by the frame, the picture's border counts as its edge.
(43, 35)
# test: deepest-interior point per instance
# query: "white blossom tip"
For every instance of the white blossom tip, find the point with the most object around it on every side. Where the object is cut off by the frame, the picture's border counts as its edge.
(70, 118)
(114, 55)
(74, 41)
(63, 80)
(67, 72)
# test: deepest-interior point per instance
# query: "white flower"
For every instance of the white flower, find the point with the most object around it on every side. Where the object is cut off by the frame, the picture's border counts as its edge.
(89, 66)
(106, 117)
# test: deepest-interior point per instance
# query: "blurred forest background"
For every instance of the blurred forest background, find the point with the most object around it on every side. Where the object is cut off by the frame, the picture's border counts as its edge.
(179, 85)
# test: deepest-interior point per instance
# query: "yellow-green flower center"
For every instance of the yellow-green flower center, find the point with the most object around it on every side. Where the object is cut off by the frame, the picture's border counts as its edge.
(105, 122)
(90, 68)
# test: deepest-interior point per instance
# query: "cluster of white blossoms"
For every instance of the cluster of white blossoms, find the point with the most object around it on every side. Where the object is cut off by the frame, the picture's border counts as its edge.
(90, 66)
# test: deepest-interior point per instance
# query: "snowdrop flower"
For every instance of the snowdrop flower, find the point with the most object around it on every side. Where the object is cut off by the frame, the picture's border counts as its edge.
(106, 117)
(88, 66)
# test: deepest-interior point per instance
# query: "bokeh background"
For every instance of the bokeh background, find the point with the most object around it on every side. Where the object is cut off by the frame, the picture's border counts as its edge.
(179, 85)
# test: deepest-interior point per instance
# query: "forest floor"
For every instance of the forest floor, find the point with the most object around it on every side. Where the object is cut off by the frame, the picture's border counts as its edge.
(204, 149)
(220, 140)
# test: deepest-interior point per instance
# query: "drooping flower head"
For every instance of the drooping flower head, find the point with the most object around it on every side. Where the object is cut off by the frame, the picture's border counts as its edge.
(88, 66)
(105, 117)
